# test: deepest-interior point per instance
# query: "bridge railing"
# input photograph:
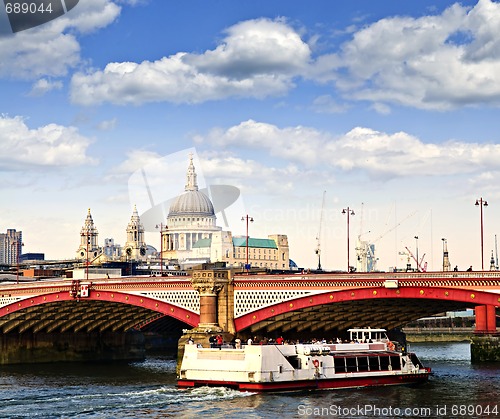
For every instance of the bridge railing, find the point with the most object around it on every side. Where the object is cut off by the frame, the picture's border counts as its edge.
(65, 284)
(432, 275)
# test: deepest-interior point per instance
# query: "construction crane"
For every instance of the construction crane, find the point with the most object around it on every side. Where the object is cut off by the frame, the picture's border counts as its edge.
(420, 268)
(366, 250)
(408, 264)
(318, 237)
(363, 248)
(496, 253)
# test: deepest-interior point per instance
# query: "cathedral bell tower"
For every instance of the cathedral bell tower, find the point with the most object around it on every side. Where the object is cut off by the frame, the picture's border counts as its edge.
(135, 247)
(89, 248)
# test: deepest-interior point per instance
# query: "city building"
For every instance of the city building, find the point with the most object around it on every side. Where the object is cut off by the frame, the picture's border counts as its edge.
(191, 235)
(25, 257)
(271, 253)
(11, 246)
(111, 250)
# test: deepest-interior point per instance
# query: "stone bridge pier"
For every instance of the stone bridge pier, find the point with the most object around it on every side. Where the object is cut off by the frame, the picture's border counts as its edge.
(485, 344)
(216, 308)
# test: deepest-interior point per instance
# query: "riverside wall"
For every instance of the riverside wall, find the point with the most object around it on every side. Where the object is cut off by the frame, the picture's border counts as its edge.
(438, 334)
(26, 348)
(485, 348)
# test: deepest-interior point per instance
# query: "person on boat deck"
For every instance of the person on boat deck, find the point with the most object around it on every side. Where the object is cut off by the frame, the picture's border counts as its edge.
(280, 340)
(219, 340)
(237, 343)
(212, 341)
(249, 341)
(469, 269)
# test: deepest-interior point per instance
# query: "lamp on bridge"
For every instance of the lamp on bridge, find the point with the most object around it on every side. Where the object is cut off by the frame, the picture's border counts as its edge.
(349, 212)
(247, 218)
(418, 263)
(162, 229)
(87, 251)
(481, 204)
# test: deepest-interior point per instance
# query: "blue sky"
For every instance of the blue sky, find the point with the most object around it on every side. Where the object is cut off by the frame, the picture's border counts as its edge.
(390, 107)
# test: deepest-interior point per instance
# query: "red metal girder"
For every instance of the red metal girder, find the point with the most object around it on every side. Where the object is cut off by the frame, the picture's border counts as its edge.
(447, 294)
(168, 309)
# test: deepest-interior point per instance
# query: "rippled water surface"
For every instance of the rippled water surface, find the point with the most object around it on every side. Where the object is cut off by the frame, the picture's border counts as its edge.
(148, 390)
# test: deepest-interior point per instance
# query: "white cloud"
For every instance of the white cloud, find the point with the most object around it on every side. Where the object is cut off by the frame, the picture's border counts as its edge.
(136, 159)
(37, 52)
(250, 175)
(295, 143)
(258, 58)
(327, 104)
(107, 125)
(42, 86)
(89, 16)
(437, 61)
(255, 47)
(51, 49)
(432, 62)
(49, 145)
(381, 155)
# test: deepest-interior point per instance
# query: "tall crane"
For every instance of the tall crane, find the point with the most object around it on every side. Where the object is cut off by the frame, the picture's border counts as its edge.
(318, 237)
(420, 267)
(366, 250)
(496, 253)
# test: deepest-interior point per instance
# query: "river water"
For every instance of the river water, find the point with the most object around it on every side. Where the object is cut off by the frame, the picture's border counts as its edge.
(148, 390)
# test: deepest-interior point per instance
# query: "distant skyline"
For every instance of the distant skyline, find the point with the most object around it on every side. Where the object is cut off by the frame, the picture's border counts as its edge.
(392, 108)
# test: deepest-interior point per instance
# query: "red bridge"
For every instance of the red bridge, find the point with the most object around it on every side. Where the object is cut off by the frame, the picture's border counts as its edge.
(320, 304)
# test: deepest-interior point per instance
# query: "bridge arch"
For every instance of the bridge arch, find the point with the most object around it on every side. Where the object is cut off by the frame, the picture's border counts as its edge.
(374, 306)
(100, 311)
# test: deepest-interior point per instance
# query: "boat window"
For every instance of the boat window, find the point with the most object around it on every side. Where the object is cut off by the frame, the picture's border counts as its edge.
(374, 363)
(294, 362)
(395, 362)
(362, 363)
(351, 364)
(384, 363)
(339, 363)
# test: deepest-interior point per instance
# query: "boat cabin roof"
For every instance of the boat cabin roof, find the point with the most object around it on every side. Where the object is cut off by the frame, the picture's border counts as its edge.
(366, 329)
(367, 333)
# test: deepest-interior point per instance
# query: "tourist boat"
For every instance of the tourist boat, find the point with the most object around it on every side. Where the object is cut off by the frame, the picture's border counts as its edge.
(368, 359)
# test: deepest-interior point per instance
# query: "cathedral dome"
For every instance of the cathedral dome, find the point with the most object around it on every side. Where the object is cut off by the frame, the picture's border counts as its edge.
(192, 203)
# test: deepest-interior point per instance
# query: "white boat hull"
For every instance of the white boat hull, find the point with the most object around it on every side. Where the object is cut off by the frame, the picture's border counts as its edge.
(299, 367)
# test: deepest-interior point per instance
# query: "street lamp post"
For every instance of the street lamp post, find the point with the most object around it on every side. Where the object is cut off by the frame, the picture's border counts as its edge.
(444, 252)
(19, 250)
(248, 219)
(481, 204)
(349, 212)
(418, 265)
(87, 264)
(160, 226)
